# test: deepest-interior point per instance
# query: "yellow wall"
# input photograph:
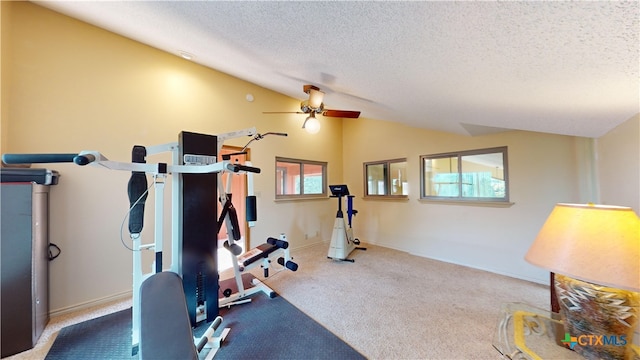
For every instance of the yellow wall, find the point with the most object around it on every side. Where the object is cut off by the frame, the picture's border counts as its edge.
(77, 87)
(4, 75)
(542, 172)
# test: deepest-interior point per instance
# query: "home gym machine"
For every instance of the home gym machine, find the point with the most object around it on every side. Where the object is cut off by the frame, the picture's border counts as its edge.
(342, 240)
(261, 255)
(195, 172)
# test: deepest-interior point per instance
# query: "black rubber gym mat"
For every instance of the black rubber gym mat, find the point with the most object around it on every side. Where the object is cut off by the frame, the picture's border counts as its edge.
(262, 329)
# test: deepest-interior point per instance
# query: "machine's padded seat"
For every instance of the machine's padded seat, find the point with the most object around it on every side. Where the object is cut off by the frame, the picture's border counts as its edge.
(165, 328)
(257, 253)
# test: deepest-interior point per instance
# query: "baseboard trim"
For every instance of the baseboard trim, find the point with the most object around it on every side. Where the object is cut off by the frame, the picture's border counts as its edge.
(493, 271)
(316, 243)
(503, 273)
(128, 294)
(92, 303)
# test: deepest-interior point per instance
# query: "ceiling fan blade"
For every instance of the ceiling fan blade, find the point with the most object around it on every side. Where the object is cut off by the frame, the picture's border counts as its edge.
(283, 112)
(341, 113)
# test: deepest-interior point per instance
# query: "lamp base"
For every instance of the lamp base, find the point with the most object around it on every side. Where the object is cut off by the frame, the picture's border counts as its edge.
(599, 321)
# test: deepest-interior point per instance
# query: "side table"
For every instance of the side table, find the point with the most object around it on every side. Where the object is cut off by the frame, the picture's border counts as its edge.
(527, 332)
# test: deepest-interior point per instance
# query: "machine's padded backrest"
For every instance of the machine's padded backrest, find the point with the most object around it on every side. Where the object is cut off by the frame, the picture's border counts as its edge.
(165, 329)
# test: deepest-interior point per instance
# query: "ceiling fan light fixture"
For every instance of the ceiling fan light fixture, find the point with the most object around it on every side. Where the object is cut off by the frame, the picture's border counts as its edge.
(311, 124)
(313, 106)
(315, 98)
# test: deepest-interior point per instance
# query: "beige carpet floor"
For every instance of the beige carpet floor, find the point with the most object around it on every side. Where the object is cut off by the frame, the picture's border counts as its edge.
(388, 304)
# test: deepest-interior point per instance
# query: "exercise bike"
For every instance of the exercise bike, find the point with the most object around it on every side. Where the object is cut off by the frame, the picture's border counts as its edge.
(342, 240)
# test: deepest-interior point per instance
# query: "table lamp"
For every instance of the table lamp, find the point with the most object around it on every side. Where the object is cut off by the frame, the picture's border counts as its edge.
(594, 250)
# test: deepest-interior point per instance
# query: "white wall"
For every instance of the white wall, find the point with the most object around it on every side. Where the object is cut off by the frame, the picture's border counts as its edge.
(619, 165)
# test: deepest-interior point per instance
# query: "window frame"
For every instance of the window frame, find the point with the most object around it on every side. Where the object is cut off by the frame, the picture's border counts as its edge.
(460, 198)
(301, 163)
(387, 179)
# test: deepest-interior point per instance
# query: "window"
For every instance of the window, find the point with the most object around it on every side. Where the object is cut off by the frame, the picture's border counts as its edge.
(300, 178)
(386, 178)
(475, 175)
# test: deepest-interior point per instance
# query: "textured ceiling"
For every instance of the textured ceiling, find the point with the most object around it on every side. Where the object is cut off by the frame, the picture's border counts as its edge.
(464, 67)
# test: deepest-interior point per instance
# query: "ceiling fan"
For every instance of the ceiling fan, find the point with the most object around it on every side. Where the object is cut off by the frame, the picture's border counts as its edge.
(313, 106)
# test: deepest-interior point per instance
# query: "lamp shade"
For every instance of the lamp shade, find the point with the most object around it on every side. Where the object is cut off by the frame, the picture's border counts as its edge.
(594, 243)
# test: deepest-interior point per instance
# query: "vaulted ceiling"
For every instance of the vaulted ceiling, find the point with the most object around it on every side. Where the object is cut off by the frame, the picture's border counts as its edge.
(464, 67)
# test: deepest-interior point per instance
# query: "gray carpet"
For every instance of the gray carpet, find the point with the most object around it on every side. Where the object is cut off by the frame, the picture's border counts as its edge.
(263, 329)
